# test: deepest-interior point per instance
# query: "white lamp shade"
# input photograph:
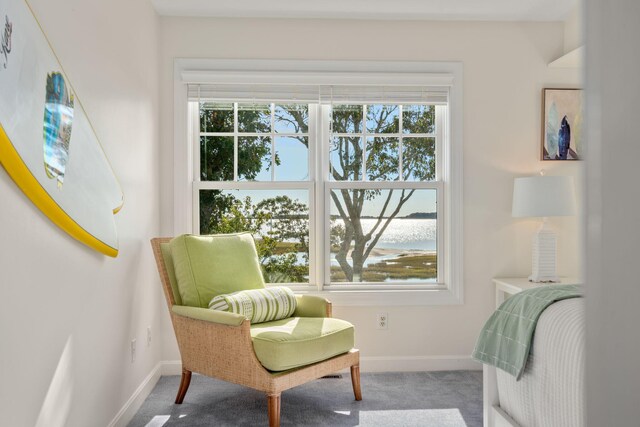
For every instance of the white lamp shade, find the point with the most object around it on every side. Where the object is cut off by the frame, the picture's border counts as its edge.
(543, 196)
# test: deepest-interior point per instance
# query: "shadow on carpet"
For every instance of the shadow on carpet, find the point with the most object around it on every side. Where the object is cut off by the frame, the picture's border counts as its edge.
(447, 399)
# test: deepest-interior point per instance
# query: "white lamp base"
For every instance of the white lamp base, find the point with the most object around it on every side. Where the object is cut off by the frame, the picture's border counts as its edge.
(543, 260)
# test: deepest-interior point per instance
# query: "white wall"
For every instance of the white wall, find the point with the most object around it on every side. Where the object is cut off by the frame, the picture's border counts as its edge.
(69, 313)
(574, 28)
(505, 69)
(613, 235)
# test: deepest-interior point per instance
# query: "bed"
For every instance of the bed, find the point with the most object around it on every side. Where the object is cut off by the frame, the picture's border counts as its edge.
(550, 391)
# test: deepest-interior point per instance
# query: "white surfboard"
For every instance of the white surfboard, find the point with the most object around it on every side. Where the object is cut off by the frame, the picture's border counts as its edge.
(47, 144)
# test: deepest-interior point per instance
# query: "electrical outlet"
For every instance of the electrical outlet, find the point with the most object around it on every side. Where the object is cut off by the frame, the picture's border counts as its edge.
(148, 336)
(133, 350)
(382, 321)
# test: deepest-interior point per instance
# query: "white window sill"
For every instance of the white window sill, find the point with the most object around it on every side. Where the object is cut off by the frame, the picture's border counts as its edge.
(387, 297)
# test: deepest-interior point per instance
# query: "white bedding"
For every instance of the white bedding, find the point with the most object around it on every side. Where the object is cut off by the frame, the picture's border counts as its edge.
(551, 390)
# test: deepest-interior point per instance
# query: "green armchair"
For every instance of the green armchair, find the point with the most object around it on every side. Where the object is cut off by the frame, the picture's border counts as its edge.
(271, 356)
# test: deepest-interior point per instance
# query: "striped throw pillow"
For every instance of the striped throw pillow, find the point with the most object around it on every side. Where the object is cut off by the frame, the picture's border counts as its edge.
(258, 305)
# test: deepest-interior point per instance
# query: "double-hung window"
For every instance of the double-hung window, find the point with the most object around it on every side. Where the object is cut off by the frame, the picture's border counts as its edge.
(383, 192)
(346, 186)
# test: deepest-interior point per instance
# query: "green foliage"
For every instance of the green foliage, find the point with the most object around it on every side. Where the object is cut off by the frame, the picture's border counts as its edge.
(217, 153)
(418, 119)
(217, 159)
(238, 217)
(290, 220)
(419, 159)
(336, 235)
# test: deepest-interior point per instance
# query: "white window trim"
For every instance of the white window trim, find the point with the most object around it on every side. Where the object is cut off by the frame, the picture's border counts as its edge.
(337, 72)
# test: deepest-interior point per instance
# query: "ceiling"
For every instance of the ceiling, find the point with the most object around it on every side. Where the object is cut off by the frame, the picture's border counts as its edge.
(440, 10)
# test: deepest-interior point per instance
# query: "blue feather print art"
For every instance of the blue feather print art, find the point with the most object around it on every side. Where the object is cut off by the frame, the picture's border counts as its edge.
(564, 139)
(552, 132)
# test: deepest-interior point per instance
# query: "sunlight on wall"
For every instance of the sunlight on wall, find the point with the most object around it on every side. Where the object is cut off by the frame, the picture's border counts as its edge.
(57, 402)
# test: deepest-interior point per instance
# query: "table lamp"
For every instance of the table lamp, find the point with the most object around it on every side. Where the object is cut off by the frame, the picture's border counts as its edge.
(543, 196)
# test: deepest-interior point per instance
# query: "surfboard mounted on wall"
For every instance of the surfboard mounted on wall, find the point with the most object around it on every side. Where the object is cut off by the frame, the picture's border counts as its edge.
(47, 144)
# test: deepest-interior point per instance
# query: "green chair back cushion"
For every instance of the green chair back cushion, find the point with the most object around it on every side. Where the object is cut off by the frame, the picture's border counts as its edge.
(258, 305)
(206, 266)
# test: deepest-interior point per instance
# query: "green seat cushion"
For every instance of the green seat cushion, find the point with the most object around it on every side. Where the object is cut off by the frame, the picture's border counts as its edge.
(206, 266)
(299, 341)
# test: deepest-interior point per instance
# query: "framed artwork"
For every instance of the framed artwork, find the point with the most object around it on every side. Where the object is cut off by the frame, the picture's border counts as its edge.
(47, 144)
(562, 116)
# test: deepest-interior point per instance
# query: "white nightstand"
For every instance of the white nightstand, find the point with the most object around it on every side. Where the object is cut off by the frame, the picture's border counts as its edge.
(506, 287)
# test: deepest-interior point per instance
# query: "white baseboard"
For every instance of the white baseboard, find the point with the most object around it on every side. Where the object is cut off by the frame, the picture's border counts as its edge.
(131, 406)
(171, 367)
(417, 363)
(126, 413)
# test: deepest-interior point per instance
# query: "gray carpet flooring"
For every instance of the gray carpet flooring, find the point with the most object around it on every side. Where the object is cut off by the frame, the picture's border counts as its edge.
(447, 399)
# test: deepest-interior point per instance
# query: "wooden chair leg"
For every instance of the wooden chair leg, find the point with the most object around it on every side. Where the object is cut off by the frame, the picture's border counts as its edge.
(273, 402)
(184, 385)
(355, 381)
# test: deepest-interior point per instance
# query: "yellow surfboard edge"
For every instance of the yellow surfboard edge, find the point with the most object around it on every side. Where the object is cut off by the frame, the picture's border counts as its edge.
(119, 208)
(24, 179)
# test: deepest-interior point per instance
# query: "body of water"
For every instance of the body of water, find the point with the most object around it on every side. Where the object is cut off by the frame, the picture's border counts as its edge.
(417, 234)
(400, 235)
